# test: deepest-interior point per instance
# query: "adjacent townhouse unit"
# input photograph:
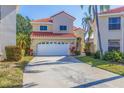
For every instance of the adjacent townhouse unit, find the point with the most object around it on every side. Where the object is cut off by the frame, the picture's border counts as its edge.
(7, 28)
(111, 25)
(55, 35)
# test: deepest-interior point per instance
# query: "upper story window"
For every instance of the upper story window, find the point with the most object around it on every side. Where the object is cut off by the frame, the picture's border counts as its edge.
(114, 23)
(43, 27)
(62, 27)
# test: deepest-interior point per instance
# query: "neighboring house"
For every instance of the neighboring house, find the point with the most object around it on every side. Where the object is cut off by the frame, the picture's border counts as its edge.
(54, 35)
(111, 25)
(80, 38)
(7, 28)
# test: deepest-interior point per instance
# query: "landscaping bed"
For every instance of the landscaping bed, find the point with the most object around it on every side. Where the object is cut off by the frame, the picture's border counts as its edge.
(106, 65)
(11, 73)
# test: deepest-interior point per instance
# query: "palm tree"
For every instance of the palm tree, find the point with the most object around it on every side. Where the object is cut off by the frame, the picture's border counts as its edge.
(22, 41)
(86, 23)
(93, 12)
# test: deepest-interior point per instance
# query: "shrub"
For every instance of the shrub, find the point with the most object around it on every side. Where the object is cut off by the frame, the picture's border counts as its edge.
(88, 53)
(72, 49)
(13, 53)
(117, 56)
(107, 56)
(97, 55)
(77, 52)
(87, 49)
(114, 56)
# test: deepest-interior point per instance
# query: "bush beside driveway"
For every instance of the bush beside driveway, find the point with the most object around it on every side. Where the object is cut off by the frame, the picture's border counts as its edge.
(106, 65)
(11, 73)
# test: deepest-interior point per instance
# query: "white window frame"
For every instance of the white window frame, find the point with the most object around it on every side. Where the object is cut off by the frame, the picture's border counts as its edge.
(114, 23)
(65, 26)
(116, 43)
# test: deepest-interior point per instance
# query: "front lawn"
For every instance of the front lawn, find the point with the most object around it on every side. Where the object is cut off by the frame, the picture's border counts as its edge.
(11, 73)
(109, 66)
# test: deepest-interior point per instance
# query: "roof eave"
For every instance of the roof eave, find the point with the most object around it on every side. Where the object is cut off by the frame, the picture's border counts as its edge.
(108, 14)
(41, 23)
(48, 37)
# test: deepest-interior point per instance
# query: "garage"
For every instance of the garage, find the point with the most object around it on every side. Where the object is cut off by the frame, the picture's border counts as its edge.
(52, 48)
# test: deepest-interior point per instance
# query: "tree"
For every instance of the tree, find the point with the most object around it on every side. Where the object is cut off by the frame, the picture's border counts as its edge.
(24, 29)
(93, 12)
(23, 24)
(86, 23)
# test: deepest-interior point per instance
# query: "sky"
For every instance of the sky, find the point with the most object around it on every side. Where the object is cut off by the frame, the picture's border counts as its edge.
(44, 11)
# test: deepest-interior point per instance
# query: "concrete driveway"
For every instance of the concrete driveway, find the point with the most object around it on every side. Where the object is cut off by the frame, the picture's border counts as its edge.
(67, 72)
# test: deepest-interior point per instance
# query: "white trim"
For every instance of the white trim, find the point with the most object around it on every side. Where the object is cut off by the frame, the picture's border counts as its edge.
(41, 23)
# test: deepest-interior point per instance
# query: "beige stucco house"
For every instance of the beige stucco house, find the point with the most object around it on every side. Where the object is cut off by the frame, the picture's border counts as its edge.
(7, 28)
(54, 35)
(80, 38)
(111, 24)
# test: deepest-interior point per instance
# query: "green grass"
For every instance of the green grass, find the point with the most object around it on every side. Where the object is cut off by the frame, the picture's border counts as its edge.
(11, 73)
(109, 66)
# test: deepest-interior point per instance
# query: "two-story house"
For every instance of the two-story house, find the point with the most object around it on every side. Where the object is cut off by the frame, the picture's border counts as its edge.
(54, 35)
(111, 24)
(7, 28)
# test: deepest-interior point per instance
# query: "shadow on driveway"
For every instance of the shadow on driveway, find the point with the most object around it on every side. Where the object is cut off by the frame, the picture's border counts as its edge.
(29, 85)
(98, 82)
(65, 60)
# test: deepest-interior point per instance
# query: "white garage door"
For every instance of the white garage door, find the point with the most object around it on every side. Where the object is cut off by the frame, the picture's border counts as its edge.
(51, 48)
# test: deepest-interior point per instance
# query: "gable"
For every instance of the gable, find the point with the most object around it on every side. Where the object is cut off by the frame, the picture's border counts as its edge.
(63, 14)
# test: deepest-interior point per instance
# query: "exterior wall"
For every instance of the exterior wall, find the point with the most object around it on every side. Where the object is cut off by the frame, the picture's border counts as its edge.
(36, 27)
(35, 42)
(122, 35)
(62, 19)
(7, 27)
(107, 34)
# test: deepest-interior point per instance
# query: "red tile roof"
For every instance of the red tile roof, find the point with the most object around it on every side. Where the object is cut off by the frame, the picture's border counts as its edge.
(76, 28)
(116, 10)
(43, 20)
(51, 34)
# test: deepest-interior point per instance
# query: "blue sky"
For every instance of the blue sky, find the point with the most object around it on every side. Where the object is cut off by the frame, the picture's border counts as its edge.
(44, 11)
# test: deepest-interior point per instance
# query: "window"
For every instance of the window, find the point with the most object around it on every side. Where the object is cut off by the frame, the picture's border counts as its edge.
(63, 28)
(114, 23)
(113, 45)
(51, 42)
(59, 43)
(62, 42)
(54, 42)
(43, 27)
(43, 42)
(47, 42)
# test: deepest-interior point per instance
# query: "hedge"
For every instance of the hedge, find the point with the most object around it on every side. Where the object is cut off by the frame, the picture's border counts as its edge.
(13, 53)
